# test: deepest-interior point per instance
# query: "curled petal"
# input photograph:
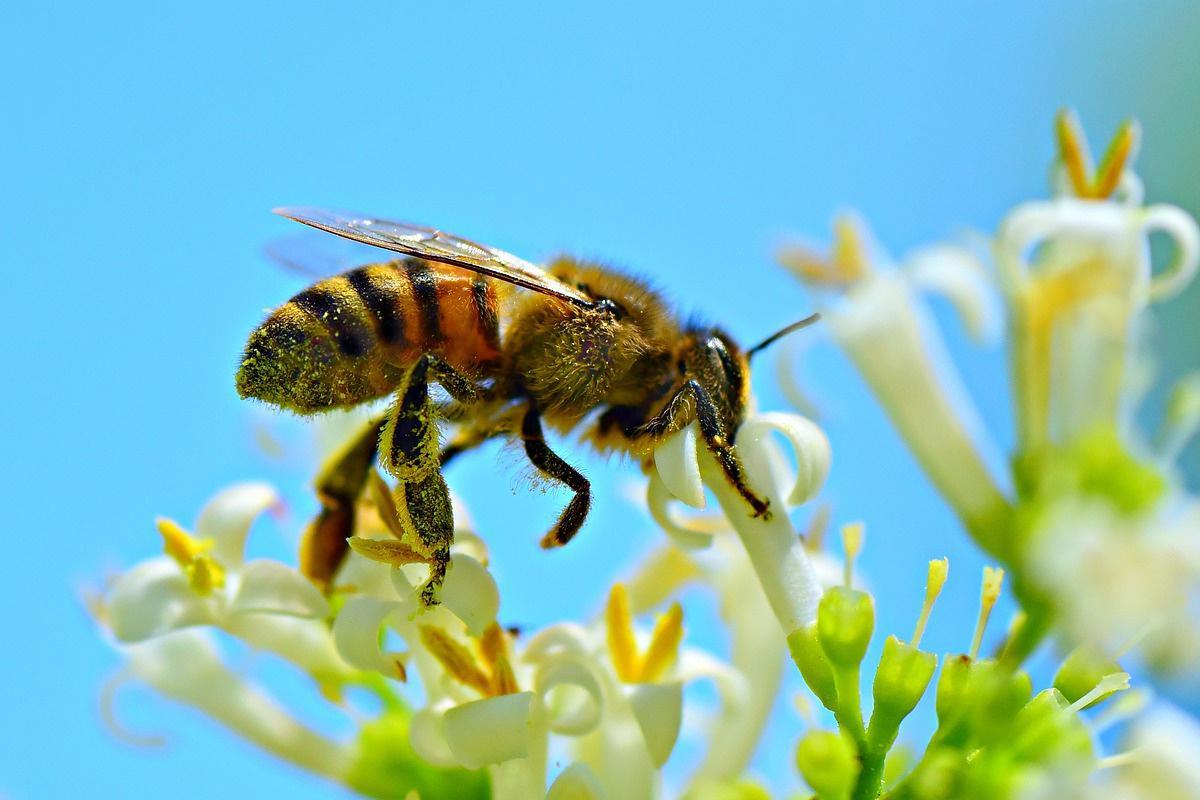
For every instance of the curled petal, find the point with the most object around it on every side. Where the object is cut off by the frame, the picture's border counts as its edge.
(490, 731)
(576, 782)
(956, 274)
(227, 517)
(153, 598)
(675, 461)
(356, 634)
(556, 640)
(693, 534)
(809, 444)
(573, 713)
(470, 593)
(696, 665)
(1180, 226)
(275, 588)
(658, 709)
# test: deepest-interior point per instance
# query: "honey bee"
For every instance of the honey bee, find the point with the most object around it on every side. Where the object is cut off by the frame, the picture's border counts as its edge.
(513, 346)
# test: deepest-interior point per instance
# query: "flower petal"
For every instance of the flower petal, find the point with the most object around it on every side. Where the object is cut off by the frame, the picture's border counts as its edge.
(675, 461)
(576, 782)
(187, 667)
(275, 588)
(356, 636)
(658, 709)
(490, 731)
(809, 444)
(688, 535)
(426, 734)
(153, 598)
(227, 517)
(958, 275)
(572, 695)
(470, 593)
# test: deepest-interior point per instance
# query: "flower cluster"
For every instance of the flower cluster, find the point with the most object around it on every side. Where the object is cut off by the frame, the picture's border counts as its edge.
(1090, 524)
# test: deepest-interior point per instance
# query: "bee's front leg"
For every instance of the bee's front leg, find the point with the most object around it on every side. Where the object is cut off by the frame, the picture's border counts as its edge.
(551, 464)
(717, 437)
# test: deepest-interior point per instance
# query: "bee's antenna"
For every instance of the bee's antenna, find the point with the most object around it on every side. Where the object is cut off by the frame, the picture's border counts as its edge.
(779, 334)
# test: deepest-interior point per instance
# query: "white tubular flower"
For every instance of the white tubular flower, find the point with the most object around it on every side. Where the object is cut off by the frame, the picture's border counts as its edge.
(774, 547)
(876, 314)
(1121, 580)
(186, 666)
(1078, 276)
(204, 580)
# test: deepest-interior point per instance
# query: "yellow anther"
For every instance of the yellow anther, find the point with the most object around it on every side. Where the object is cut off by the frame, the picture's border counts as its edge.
(846, 263)
(993, 579)
(852, 542)
(1077, 161)
(622, 646)
(939, 568)
(663, 649)
(818, 526)
(849, 255)
(204, 575)
(387, 551)
(178, 543)
(457, 660)
(493, 646)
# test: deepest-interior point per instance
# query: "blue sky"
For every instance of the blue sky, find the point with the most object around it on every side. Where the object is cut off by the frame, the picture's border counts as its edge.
(143, 145)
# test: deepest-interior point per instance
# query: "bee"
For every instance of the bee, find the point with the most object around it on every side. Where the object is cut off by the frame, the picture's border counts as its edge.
(515, 348)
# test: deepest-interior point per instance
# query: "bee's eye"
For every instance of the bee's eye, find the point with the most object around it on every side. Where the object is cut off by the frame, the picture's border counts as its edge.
(610, 307)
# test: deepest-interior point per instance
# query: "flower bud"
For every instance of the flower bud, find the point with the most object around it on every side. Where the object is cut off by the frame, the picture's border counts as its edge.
(829, 763)
(1081, 672)
(813, 665)
(901, 679)
(845, 621)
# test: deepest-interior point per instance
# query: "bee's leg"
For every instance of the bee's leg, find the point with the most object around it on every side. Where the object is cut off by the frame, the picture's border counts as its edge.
(409, 452)
(457, 385)
(716, 437)
(551, 465)
(339, 484)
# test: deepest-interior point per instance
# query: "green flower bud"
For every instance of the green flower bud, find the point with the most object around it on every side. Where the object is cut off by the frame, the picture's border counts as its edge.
(813, 665)
(1048, 730)
(829, 763)
(1082, 672)
(901, 679)
(387, 767)
(845, 622)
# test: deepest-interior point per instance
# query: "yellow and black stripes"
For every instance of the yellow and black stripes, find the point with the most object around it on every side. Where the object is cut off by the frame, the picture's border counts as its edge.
(351, 338)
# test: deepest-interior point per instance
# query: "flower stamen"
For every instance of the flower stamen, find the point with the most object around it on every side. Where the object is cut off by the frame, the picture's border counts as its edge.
(993, 579)
(939, 568)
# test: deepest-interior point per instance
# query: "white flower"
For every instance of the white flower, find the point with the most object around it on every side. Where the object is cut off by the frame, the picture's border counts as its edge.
(1121, 580)
(876, 313)
(186, 666)
(204, 580)
(775, 549)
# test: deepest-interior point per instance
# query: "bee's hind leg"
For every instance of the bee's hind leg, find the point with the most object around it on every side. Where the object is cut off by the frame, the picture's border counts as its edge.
(551, 464)
(339, 485)
(408, 449)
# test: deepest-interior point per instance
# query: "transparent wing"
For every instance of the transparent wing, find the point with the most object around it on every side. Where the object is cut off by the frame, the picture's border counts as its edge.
(435, 245)
(313, 255)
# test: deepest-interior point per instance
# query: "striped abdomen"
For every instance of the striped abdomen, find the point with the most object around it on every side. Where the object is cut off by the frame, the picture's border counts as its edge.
(350, 338)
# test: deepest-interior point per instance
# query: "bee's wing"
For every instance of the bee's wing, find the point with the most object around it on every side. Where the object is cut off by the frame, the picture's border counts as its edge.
(314, 256)
(435, 245)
